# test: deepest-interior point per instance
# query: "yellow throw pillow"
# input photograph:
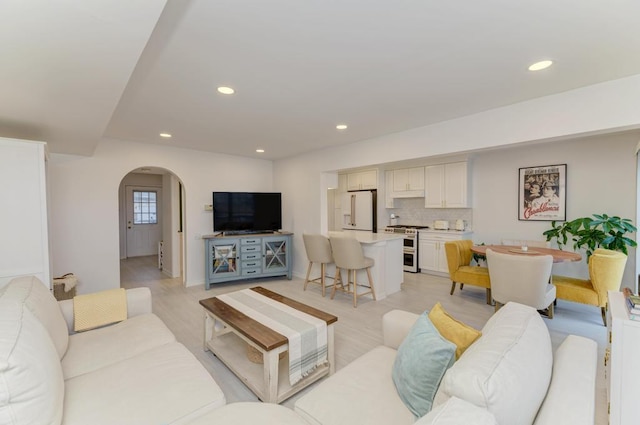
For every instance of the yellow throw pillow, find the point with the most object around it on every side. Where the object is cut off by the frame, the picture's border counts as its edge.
(453, 330)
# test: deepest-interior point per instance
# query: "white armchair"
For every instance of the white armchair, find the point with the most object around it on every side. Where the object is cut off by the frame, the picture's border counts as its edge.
(523, 279)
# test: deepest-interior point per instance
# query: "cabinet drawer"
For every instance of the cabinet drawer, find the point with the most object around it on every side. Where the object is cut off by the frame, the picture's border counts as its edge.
(250, 241)
(251, 256)
(251, 263)
(250, 248)
(251, 272)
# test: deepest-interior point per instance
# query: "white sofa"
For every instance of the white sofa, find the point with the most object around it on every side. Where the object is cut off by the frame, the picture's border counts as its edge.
(509, 376)
(133, 372)
(509, 373)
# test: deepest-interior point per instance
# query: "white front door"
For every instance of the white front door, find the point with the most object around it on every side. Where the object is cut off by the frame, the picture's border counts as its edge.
(144, 224)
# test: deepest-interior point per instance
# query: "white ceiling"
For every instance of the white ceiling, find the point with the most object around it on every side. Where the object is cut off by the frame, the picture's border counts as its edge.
(75, 71)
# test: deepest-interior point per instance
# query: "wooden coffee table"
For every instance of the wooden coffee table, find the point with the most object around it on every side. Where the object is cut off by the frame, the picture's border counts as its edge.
(227, 331)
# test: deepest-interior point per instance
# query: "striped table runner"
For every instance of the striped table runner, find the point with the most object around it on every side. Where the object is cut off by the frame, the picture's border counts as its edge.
(307, 335)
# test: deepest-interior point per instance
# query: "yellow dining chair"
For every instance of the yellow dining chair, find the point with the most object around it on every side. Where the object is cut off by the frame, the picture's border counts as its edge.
(460, 268)
(606, 268)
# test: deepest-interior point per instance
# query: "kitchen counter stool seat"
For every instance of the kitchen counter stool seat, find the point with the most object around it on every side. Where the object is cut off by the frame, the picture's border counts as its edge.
(318, 251)
(348, 256)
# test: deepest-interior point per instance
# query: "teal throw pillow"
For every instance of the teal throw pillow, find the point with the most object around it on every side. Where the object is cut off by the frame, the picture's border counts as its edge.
(423, 358)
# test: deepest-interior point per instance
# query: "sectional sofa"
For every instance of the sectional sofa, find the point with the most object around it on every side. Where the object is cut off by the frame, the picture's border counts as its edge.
(134, 372)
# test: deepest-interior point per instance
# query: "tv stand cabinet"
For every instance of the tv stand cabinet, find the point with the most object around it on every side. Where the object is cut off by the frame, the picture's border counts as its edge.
(248, 256)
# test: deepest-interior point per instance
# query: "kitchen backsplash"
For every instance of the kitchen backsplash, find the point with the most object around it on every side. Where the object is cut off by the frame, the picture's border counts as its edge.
(412, 211)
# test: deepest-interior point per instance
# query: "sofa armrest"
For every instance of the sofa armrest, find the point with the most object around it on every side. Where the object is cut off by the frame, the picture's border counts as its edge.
(571, 395)
(138, 302)
(395, 327)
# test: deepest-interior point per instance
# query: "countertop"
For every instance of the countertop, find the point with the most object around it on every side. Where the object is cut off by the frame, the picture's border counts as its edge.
(447, 232)
(369, 237)
(245, 235)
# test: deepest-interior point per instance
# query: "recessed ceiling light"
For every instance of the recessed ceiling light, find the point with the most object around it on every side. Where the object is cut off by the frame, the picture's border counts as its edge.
(341, 126)
(260, 150)
(165, 135)
(226, 90)
(540, 65)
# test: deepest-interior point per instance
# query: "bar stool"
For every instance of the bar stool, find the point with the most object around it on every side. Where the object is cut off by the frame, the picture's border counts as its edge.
(348, 255)
(318, 251)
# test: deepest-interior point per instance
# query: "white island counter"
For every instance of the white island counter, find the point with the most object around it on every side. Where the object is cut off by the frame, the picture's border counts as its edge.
(386, 251)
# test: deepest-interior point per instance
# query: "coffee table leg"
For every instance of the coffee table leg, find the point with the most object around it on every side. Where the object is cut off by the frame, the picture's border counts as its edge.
(209, 324)
(271, 376)
(331, 356)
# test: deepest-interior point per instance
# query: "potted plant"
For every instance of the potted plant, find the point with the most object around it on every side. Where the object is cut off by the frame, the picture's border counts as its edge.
(601, 231)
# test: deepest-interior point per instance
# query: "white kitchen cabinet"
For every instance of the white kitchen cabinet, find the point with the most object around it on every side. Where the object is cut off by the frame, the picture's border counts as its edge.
(622, 368)
(342, 188)
(25, 247)
(388, 190)
(432, 256)
(408, 179)
(446, 186)
(362, 180)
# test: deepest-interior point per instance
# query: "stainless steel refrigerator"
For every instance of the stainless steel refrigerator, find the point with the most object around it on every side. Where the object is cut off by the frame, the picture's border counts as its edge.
(359, 210)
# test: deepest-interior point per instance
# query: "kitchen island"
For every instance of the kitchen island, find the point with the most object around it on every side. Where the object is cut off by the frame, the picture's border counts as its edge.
(386, 251)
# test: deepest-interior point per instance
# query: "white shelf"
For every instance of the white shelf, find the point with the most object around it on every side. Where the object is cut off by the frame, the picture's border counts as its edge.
(231, 350)
(622, 366)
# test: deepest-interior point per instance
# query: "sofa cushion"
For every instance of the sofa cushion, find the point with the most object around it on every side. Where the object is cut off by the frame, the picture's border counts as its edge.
(453, 330)
(458, 412)
(166, 385)
(360, 393)
(31, 384)
(92, 350)
(244, 413)
(571, 395)
(422, 359)
(508, 369)
(39, 300)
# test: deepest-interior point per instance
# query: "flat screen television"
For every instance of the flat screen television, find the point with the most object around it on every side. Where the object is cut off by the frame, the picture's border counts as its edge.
(247, 212)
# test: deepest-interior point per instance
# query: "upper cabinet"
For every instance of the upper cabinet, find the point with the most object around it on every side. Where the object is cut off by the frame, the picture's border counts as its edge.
(362, 180)
(388, 189)
(409, 180)
(446, 186)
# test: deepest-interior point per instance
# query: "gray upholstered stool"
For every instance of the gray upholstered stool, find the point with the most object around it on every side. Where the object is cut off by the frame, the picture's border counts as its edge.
(348, 255)
(318, 251)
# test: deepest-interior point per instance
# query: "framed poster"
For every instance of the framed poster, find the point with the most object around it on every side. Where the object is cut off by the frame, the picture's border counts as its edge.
(543, 193)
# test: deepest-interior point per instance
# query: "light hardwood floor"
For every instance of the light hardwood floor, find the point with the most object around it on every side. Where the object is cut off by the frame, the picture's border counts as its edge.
(358, 330)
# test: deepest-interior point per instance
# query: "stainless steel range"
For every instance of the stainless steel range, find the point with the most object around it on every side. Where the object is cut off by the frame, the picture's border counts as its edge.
(410, 250)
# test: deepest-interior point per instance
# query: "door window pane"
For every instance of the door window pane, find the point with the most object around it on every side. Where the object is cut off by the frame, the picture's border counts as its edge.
(144, 207)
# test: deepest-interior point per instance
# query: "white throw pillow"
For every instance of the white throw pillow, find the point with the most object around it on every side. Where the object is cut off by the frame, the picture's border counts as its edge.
(31, 383)
(40, 301)
(508, 369)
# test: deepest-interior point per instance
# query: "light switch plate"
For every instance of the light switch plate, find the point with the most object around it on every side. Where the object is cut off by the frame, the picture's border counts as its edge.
(208, 207)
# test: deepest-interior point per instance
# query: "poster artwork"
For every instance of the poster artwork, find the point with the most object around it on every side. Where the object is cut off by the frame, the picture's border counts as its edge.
(542, 193)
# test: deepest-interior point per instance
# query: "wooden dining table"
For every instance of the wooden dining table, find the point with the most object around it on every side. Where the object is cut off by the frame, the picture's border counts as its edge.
(559, 256)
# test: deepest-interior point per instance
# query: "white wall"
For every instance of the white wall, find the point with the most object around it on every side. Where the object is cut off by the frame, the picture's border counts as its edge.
(601, 178)
(84, 215)
(84, 204)
(598, 109)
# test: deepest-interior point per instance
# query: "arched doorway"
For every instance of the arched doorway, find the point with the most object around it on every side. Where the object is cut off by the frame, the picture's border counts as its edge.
(151, 227)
